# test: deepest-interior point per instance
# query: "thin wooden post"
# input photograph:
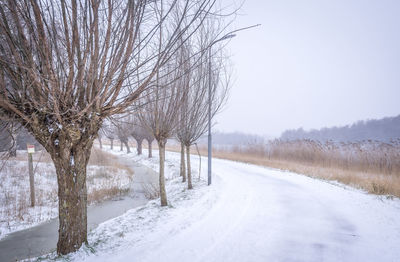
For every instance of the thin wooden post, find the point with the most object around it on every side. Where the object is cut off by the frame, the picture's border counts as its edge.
(31, 177)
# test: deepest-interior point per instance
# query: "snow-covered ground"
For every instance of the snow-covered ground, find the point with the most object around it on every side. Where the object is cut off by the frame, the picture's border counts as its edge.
(15, 211)
(250, 213)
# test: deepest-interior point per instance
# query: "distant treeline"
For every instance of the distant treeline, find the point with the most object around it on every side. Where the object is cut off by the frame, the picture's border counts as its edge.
(385, 130)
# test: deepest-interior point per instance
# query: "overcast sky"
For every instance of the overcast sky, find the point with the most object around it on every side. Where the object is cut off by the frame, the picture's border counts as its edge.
(313, 64)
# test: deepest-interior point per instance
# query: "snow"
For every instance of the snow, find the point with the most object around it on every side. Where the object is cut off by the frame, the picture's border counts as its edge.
(72, 160)
(250, 213)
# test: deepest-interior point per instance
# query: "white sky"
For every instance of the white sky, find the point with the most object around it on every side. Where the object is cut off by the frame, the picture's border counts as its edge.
(313, 64)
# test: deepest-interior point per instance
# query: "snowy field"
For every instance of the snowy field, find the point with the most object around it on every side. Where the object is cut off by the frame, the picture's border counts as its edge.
(15, 211)
(250, 213)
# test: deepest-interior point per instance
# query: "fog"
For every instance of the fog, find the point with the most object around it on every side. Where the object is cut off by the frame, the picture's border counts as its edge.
(313, 64)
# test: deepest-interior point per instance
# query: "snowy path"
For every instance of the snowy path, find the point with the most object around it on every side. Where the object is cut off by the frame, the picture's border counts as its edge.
(261, 214)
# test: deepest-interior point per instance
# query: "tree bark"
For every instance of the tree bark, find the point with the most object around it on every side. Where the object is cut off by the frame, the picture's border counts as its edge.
(183, 166)
(128, 150)
(189, 171)
(150, 148)
(122, 146)
(112, 143)
(139, 146)
(70, 163)
(163, 193)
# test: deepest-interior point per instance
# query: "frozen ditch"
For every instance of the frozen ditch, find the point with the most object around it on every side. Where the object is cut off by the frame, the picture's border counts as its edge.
(42, 239)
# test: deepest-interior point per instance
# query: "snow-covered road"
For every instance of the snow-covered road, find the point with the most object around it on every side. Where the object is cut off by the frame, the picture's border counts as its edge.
(258, 214)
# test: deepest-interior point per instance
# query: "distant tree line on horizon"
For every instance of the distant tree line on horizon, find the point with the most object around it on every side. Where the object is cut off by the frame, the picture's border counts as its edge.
(385, 130)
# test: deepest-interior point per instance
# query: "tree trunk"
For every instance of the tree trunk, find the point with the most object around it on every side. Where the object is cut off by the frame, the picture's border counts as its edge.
(112, 142)
(122, 146)
(163, 193)
(13, 151)
(139, 146)
(128, 150)
(150, 148)
(101, 145)
(14, 137)
(70, 163)
(183, 166)
(189, 171)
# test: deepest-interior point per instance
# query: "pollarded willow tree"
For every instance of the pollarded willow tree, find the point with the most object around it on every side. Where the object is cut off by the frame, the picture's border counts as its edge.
(208, 81)
(109, 131)
(159, 115)
(139, 133)
(64, 67)
(194, 108)
(161, 104)
(121, 126)
(150, 138)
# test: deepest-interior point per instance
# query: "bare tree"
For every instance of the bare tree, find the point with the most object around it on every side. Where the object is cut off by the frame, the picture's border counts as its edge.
(139, 133)
(150, 138)
(65, 68)
(160, 113)
(108, 129)
(193, 111)
(123, 128)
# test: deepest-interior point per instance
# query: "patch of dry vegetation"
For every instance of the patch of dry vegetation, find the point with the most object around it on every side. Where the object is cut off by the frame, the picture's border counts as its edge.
(151, 190)
(99, 157)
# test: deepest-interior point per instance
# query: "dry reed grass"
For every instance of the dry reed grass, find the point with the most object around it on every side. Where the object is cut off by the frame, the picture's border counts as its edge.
(101, 194)
(151, 190)
(99, 157)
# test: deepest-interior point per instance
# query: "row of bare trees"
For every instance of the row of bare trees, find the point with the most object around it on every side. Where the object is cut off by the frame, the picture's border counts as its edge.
(177, 106)
(66, 66)
(122, 128)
